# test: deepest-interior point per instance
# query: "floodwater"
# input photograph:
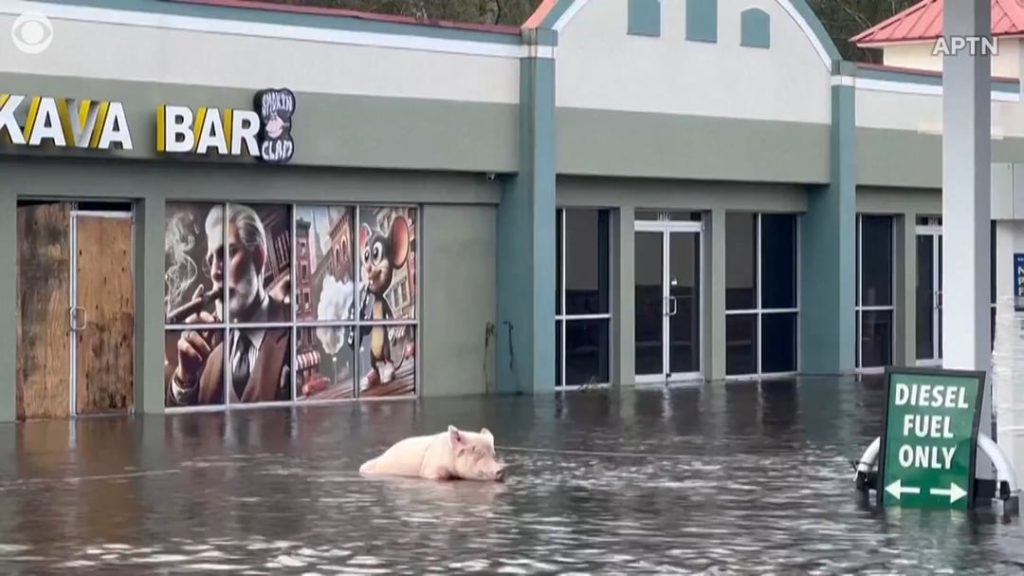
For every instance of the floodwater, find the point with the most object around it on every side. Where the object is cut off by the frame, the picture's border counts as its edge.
(741, 478)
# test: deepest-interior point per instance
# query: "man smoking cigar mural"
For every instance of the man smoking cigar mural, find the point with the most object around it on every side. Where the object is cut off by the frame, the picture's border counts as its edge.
(258, 359)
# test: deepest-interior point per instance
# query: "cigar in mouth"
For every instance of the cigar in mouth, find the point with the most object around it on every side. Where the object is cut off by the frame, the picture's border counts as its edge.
(178, 315)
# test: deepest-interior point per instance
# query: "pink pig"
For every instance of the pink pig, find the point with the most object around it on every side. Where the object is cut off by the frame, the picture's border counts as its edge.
(451, 455)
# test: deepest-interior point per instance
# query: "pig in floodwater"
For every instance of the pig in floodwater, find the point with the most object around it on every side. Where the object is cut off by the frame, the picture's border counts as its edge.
(452, 455)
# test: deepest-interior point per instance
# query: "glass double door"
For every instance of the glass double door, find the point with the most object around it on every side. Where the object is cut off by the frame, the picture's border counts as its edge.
(668, 311)
(929, 295)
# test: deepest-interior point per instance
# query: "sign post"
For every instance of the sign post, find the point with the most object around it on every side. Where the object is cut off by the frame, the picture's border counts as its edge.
(929, 438)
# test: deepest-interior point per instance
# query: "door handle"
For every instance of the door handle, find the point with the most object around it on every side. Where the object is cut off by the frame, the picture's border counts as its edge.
(74, 319)
(675, 305)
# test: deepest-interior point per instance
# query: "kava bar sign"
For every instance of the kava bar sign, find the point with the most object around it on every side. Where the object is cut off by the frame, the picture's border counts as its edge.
(264, 133)
(929, 438)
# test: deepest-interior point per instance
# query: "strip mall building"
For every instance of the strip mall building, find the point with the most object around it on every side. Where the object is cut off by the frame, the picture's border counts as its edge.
(212, 204)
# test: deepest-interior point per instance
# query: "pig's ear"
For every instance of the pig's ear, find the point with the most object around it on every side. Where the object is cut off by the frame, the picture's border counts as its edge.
(455, 436)
(486, 432)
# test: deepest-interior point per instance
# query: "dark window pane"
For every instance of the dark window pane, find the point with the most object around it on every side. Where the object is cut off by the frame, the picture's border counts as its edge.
(778, 257)
(876, 338)
(684, 306)
(558, 353)
(876, 260)
(740, 344)
(646, 215)
(778, 343)
(558, 262)
(586, 264)
(992, 328)
(740, 261)
(685, 216)
(649, 302)
(586, 352)
(856, 264)
(992, 262)
(856, 341)
(925, 297)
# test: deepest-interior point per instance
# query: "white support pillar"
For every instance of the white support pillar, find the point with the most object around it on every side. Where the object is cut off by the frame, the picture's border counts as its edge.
(966, 177)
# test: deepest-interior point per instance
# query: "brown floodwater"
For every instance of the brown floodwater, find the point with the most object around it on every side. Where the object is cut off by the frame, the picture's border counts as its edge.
(740, 478)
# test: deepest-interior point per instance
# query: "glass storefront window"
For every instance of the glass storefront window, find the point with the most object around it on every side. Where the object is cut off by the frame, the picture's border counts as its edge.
(874, 291)
(762, 300)
(341, 324)
(583, 320)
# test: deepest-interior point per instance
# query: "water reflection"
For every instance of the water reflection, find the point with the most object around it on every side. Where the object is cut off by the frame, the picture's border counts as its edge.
(740, 477)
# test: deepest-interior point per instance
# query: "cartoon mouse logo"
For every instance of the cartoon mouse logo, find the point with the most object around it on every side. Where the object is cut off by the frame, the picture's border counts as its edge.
(380, 256)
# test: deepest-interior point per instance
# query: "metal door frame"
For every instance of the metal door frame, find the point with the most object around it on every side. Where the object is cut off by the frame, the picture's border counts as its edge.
(73, 325)
(935, 232)
(666, 228)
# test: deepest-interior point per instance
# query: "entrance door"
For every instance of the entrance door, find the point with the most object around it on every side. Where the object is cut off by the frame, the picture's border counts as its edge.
(929, 295)
(76, 322)
(102, 321)
(668, 312)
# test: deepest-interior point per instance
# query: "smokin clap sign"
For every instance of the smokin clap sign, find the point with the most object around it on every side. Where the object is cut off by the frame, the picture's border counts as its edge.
(929, 440)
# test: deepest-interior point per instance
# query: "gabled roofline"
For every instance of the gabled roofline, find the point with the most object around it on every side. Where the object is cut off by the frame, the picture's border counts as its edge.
(555, 14)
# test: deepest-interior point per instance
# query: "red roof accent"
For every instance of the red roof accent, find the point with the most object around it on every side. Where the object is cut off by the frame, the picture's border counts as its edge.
(923, 21)
(346, 13)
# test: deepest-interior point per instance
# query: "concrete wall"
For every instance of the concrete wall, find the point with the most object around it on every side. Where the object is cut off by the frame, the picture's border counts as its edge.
(328, 129)
(899, 140)
(250, 49)
(669, 74)
(459, 299)
(667, 107)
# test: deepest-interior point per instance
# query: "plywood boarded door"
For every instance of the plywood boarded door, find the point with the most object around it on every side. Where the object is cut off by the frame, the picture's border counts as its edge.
(44, 271)
(105, 319)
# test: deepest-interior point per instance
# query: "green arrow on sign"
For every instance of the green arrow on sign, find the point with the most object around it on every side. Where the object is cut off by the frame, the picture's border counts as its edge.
(929, 438)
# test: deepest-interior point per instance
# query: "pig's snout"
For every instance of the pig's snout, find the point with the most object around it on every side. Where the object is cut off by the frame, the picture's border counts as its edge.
(499, 474)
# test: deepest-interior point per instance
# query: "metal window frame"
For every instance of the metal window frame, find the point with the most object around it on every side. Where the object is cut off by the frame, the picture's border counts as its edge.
(561, 320)
(665, 226)
(758, 312)
(859, 308)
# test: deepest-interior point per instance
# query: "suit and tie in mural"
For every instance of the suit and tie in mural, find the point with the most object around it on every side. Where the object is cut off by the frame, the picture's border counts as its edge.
(344, 294)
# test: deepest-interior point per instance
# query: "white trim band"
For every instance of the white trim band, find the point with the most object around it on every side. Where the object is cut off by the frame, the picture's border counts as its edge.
(912, 88)
(264, 30)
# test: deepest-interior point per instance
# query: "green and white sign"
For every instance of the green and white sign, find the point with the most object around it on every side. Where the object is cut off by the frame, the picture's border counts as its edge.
(929, 440)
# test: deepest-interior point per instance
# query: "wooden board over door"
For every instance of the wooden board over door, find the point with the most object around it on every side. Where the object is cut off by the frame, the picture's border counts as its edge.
(43, 308)
(105, 344)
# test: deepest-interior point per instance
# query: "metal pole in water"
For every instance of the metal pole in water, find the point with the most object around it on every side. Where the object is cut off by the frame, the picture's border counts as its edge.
(966, 202)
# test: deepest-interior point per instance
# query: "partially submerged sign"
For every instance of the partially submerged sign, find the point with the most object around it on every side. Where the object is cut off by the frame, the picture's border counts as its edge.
(929, 440)
(1018, 281)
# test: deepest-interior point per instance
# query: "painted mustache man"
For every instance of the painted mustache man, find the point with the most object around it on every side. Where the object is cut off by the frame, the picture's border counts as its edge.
(259, 360)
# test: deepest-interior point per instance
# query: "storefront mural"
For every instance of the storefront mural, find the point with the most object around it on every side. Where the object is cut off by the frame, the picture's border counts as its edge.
(348, 317)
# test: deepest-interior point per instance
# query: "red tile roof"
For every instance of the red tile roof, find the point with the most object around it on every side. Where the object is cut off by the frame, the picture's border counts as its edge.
(923, 21)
